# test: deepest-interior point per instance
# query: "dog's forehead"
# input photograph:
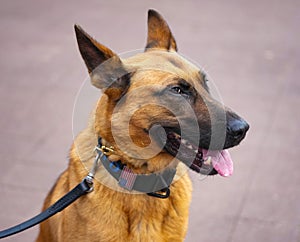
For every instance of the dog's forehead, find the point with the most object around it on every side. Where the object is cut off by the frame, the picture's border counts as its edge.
(169, 62)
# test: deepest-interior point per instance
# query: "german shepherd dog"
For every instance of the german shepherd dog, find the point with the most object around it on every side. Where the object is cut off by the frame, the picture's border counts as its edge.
(157, 115)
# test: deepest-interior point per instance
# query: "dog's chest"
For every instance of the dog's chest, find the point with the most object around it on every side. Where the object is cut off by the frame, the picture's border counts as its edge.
(140, 218)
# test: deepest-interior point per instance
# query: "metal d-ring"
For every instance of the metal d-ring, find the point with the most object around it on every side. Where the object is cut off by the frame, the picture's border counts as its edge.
(105, 150)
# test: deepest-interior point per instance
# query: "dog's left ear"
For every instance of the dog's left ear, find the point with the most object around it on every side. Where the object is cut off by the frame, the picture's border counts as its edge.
(106, 69)
(159, 33)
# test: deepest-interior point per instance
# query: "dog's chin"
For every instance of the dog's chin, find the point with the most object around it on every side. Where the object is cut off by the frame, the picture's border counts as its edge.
(200, 160)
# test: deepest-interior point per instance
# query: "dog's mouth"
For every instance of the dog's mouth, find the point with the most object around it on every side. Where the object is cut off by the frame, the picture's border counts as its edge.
(206, 162)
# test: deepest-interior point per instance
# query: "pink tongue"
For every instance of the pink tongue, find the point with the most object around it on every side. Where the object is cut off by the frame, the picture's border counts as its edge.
(221, 161)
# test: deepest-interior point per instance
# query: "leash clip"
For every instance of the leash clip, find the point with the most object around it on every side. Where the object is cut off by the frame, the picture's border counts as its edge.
(89, 179)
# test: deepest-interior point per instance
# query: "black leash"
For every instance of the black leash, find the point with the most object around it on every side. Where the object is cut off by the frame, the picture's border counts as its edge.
(143, 183)
(81, 189)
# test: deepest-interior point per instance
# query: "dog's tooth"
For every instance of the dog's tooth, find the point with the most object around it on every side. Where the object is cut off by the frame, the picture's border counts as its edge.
(207, 161)
(196, 151)
(177, 135)
(184, 141)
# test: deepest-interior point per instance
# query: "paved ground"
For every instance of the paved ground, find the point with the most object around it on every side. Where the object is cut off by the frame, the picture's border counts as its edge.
(250, 49)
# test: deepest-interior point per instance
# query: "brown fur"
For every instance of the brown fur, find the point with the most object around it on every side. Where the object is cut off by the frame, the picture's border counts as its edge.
(108, 214)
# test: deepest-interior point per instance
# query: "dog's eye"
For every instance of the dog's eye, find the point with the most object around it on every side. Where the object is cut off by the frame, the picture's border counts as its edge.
(177, 90)
(181, 89)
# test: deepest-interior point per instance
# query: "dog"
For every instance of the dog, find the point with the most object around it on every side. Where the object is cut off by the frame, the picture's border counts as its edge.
(155, 115)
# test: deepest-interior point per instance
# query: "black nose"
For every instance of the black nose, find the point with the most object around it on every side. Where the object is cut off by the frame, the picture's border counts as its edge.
(237, 129)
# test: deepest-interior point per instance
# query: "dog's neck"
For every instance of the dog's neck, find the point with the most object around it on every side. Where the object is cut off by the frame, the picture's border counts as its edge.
(127, 179)
(84, 146)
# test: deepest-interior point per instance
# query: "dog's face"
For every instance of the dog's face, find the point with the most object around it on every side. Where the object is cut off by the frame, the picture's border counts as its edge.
(157, 103)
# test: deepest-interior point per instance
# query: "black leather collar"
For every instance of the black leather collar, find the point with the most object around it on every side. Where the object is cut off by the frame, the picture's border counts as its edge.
(155, 184)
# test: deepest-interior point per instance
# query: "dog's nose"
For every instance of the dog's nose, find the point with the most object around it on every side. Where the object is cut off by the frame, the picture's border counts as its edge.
(238, 129)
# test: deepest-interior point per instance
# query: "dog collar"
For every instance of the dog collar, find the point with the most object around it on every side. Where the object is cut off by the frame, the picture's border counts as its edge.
(155, 184)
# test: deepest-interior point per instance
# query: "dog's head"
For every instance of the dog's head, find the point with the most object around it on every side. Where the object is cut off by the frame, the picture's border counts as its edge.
(157, 105)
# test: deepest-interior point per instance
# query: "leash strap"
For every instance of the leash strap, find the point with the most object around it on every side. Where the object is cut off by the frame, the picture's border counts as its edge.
(81, 189)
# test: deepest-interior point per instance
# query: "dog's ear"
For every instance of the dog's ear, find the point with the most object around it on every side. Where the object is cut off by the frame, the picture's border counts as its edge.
(92, 52)
(159, 33)
(106, 69)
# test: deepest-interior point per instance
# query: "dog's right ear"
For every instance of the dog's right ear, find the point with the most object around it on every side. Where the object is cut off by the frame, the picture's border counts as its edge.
(159, 33)
(106, 69)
